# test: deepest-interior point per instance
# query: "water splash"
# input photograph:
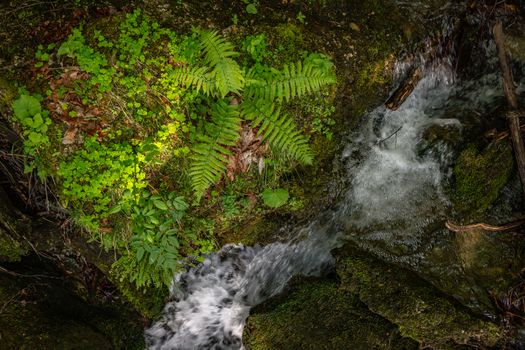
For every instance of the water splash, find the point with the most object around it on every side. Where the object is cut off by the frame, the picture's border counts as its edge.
(213, 300)
(391, 177)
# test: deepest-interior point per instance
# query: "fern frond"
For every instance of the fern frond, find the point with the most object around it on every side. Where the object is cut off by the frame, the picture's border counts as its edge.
(228, 77)
(218, 55)
(277, 129)
(197, 77)
(215, 47)
(208, 161)
(292, 81)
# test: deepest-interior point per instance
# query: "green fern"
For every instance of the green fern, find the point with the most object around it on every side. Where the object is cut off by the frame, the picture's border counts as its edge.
(197, 77)
(294, 80)
(209, 155)
(218, 75)
(277, 129)
(227, 73)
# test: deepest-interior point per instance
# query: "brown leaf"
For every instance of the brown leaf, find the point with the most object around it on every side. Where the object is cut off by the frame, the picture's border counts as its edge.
(70, 136)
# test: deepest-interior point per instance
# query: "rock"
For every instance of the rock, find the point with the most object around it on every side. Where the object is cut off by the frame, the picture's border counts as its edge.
(421, 312)
(318, 314)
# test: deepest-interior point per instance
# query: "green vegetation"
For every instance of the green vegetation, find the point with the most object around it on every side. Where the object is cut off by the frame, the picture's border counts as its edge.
(34, 123)
(158, 140)
(275, 198)
(481, 176)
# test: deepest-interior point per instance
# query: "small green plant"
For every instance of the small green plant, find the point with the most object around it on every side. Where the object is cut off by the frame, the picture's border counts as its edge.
(251, 6)
(256, 46)
(42, 56)
(34, 121)
(301, 18)
(157, 239)
(92, 176)
(160, 241)
(275, 198)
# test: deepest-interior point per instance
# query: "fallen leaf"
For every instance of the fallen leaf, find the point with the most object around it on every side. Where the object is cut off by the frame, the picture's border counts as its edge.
(355, 27)
(70, 136)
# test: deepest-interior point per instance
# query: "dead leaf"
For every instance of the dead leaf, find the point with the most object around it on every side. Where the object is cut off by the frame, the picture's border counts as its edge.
(70, 136)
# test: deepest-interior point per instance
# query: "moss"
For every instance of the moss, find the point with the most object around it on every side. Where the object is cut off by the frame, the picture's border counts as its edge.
(7, 95)
(11, 249)
(317, 314)
(481, 176)
(42, 315)
(12, 225)
(420, 311)
(148, 301)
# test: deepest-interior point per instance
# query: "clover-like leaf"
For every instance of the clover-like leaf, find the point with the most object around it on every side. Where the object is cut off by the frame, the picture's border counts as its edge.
(275, 198)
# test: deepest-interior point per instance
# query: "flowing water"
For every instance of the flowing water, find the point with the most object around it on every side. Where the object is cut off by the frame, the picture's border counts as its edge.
(395, 193)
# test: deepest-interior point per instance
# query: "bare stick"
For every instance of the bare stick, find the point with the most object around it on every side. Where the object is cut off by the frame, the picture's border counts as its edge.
(483, 226)
(513, 115)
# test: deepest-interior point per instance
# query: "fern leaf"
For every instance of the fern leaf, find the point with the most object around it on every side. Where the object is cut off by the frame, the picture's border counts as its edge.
(208, 161)
(197, 77)
(277, 129)
(218, 55)
(228, 77)
(216, 47)
(292, 81)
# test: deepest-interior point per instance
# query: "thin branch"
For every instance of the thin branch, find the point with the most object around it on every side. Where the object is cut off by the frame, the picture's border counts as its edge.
(483, 226)
(16, 274)
(392, 134)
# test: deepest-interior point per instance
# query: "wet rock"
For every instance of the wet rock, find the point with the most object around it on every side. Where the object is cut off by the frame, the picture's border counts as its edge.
(480, 176)
(318, 314)
(421, 312)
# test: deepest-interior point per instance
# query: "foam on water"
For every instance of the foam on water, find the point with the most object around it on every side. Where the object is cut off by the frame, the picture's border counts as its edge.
(390, 179)
(212, 301)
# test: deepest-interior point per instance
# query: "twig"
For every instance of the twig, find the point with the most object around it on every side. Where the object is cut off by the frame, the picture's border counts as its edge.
(486, 227)
(16, 274)
(9, 301)
(386, 138)
(512, 99)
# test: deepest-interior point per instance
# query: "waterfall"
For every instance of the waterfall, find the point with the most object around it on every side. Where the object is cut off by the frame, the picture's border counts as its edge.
(395, 181)
(213, 300)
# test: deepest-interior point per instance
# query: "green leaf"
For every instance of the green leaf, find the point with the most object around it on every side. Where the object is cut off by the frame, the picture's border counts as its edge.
(180, 204)
(251, 9)
(140, 253)
(154, 255)
(35, 138)
(117, 208)
(160, 204)
(26, 106)
(275, 198)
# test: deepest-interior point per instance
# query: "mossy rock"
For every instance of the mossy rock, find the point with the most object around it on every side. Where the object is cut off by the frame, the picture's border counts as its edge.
(12, 225)
(421, 312)
(41, 314)
(480, 176)
(317, 314)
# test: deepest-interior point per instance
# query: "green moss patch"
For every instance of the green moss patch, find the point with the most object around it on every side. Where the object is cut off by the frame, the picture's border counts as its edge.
(404, 299)
(480, 176)
(317, 314)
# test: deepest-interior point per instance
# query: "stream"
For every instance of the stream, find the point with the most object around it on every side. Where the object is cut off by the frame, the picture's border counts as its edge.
(395, 196)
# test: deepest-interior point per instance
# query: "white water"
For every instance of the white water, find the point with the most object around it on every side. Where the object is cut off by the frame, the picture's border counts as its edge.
(213, 300)
(395, 189)
(394, 194)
